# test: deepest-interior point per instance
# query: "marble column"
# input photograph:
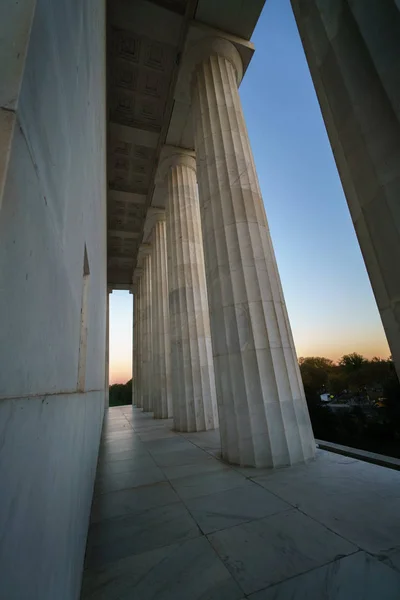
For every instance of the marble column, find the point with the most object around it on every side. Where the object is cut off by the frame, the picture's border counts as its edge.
(146, 334)
(134, 326)
(192, 371)
(136, 397)
(107, 356)
(353, 51)
(138, 299)
(263, 414)
(162, 397)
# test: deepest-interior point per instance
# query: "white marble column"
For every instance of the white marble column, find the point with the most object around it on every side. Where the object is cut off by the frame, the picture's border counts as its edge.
(138, 299)
(353, 52)
(107, 356)
(136, 397)
(162, 397)
(147, 375)
(192, 371)
(262, 409)
(134, 326)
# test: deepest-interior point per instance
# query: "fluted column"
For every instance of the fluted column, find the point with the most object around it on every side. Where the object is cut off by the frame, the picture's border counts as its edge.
(147, 374)
(353, 52)
(137, 344)
(134, 354)
(192, 371)
(162, 397)
(107, 354)
(263, 414)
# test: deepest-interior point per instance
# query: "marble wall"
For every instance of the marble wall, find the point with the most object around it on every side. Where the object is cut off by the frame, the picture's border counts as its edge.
(53, 291)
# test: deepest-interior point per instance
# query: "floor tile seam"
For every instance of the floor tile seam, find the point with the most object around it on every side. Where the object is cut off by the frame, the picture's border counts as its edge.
(177, 544)
(192, 537)
(133, 487)
(168, 451)
(329, 562)
(109, 441)
(331, 530)
(296, 507)
(211, 494)
(112, 472)
(286, 510)
(122, 416)
(135, 513)
(169, 466)
(199, 474)
(211, 454)
(118, 460)
(278, 512)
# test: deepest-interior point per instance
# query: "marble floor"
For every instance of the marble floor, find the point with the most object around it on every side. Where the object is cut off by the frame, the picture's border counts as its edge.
(170, 521)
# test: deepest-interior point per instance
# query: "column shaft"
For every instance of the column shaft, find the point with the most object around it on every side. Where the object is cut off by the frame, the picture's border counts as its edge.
(192, 371)
(107, 356)
(263, 414)
(353, 51)
(162, 407)
(138, 299)
(147, 339)
(134, 347)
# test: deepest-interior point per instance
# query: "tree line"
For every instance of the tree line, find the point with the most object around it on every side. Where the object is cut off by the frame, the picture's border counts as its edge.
(371, 424)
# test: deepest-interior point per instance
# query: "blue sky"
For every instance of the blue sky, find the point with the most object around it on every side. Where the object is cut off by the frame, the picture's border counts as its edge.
(329, 298)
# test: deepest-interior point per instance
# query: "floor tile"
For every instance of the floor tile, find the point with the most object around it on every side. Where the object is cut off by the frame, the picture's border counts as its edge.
(128, 479)
(156, 435)
(207, 483)
(130, 453)
(126, 434)
(119, 445)
(187, 571)
(275, 548)
(351, 578)
(343, 495)
(174, 444)
(235, 506)
(205, 439)
(113, 539)
(132, 501)
(207, 466)
(177, 458)
(144, 541)
(121, 466)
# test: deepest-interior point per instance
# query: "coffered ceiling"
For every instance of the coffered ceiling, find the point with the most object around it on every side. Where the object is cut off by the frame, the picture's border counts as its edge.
(145, 41)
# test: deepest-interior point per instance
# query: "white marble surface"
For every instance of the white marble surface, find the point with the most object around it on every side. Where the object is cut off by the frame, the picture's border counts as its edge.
(187, 571)
(269, 550)
(263, 414)
(161, 347)
(344, 494)
(137, 371)
(193, 384)
(350, 578)
(146, 355)
(208, 531)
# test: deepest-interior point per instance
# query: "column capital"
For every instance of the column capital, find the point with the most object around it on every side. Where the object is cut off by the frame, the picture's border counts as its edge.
(172, 156)
(198, 51)
(154, 215)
